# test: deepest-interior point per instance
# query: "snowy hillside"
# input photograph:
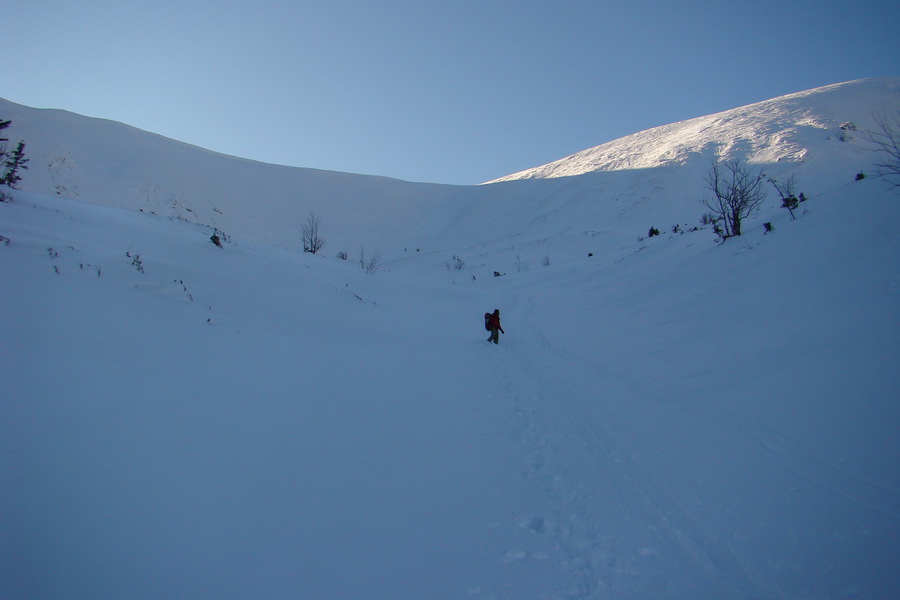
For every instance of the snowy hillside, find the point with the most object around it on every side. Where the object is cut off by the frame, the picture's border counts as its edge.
(666, 418)
(657, 175)
(108, 163)
(789, 129)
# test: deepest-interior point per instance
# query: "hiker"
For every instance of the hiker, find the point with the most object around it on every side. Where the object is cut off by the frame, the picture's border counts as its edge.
(492, 324)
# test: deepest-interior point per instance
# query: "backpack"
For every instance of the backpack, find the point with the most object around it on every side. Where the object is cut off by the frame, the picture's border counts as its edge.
(487, 321)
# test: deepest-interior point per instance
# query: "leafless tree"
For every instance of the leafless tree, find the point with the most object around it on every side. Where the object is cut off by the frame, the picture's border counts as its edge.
(887, 144)
(371, 263)
(737, 193)
(312, 241)
(786, 188)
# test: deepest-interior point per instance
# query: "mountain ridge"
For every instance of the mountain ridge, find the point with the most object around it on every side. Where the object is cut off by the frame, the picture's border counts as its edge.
(770, 130)
(655, 176)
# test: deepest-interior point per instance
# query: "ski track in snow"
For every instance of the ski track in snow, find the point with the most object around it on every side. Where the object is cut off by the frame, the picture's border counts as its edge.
(572, 459)
(597, 497)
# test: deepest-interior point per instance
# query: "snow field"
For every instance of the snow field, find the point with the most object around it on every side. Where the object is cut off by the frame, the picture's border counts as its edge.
(666, 419)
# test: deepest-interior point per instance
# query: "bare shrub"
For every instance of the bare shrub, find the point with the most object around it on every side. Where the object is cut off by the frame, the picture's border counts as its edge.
(737, 193)
(886, 139)
(312, 240)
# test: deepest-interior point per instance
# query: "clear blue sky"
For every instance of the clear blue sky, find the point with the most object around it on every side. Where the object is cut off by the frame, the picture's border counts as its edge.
(445, 92)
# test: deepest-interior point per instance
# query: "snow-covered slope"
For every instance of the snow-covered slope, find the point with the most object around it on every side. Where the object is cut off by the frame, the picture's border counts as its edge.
(115, 165)
(666, 418)
(105, 162)
(788, 129)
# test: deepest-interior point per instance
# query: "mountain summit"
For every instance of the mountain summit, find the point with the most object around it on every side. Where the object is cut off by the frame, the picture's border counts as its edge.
(777, 130)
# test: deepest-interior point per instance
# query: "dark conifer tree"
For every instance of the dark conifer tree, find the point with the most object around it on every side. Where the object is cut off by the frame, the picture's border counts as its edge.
(15, 161)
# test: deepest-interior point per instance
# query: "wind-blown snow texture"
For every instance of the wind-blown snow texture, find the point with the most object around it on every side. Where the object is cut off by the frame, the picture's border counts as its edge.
(665, 418)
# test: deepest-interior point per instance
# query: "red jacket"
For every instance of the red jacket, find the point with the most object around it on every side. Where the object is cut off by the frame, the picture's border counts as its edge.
(494, 322)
